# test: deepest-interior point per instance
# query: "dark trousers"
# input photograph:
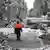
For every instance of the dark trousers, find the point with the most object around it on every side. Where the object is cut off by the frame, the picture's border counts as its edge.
(18, 35)
(17, 32)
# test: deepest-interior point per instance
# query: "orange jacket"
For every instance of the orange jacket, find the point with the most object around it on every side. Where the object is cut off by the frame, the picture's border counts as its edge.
(19, 26)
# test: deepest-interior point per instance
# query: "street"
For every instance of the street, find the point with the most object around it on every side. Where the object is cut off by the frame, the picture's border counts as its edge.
(28, 41)
(28, 37)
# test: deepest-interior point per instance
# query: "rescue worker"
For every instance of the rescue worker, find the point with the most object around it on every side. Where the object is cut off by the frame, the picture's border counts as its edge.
(18, 29)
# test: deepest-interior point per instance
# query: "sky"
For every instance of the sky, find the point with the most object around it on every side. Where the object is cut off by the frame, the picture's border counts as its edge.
(30, 3)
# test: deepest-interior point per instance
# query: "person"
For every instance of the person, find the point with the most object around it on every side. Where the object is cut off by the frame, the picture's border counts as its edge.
(18, 29)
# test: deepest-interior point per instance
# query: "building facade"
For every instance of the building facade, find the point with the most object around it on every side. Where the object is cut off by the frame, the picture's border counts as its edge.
(39, 7)
(48, 9)
(19, 9)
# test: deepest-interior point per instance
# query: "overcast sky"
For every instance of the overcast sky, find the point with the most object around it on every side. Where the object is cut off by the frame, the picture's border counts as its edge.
(30, 3)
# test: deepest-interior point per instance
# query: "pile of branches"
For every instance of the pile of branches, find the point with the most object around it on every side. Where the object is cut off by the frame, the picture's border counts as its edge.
(4, 45)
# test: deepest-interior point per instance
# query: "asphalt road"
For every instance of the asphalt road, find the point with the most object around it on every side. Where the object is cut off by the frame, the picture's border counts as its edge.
(28, 41)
